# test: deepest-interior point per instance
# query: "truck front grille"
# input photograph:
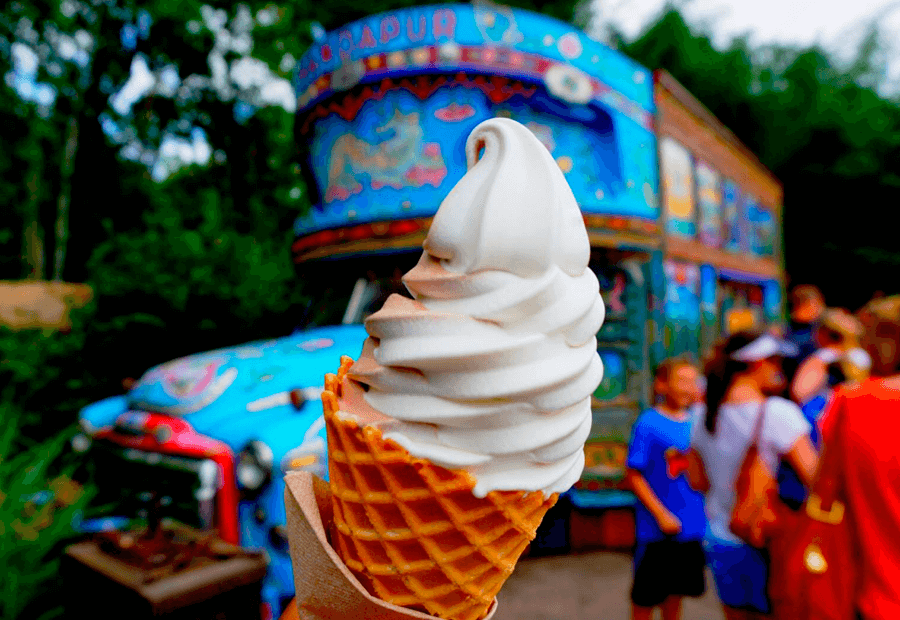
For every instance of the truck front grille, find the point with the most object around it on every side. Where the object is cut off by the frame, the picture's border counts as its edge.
(128, 479)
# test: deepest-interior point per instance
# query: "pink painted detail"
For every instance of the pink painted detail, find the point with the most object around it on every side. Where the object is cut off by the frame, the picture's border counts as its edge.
(570, 46)
(455, 112)
(336, 192)
(186, 379)
(616, 304)
(315, 345)
(180, 439)
(432, 150)
(383, 183)
(421, 175)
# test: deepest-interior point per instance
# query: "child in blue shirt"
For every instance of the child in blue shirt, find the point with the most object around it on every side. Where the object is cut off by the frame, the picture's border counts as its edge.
(670, 521)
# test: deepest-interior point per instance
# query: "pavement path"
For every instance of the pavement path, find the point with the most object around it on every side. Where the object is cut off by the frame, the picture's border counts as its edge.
(589, 586)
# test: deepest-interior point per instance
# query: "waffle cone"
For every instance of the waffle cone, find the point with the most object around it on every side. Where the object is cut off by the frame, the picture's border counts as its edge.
(412, 531)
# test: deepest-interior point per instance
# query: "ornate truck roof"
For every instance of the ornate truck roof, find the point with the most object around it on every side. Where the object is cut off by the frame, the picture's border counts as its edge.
(386, 103)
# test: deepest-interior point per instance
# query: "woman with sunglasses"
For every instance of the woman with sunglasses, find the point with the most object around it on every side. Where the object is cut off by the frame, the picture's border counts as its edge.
(743, 376)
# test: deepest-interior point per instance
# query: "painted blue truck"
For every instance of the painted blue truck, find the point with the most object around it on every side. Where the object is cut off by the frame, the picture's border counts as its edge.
(215, 433)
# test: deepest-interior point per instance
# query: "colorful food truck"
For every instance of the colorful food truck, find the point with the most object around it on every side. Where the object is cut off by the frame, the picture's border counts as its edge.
(682, 220)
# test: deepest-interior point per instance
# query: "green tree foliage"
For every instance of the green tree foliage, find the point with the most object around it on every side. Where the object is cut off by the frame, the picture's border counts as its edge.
(822, 129)
(335, 13)
(171, 247)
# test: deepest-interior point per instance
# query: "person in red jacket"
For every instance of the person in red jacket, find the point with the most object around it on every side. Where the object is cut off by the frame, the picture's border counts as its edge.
(871, 471)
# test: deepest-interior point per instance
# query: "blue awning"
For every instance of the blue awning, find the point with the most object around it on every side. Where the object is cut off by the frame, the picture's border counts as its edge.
(745, 276)
(606, 498)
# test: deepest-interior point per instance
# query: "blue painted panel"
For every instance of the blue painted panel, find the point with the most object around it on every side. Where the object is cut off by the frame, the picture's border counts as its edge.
(772, 300)
(761, 228)
(494, 27)
(607, 498)
(708, 292)
(709, 204)
(615, 376)
(752, 213)
(400, 155)
(657, 276)
(682, 307)
(742, 276)
(676, 164)
(682, 304)
(732, 211)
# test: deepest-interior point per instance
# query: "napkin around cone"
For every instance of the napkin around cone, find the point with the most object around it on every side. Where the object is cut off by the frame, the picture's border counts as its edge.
(325, 587)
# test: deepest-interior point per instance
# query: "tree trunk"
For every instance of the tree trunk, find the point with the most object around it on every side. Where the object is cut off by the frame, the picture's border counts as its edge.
(33, 232)
(65, 191)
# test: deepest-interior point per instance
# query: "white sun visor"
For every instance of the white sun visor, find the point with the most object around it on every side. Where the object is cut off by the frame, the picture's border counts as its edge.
(764, 347)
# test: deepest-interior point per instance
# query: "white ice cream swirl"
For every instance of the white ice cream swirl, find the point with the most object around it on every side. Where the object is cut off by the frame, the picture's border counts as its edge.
(492, 366)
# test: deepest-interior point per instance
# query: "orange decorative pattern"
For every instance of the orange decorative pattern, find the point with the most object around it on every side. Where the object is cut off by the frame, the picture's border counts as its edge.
(375, 230)
(334, 237)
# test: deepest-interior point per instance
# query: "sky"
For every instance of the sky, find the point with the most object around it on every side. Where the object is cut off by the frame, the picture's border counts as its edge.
(837, 25)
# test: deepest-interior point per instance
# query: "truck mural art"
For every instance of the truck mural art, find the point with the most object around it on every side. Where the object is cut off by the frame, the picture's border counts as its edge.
(402, 158)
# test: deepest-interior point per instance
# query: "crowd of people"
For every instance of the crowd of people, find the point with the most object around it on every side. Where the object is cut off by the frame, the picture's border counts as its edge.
(778, 402)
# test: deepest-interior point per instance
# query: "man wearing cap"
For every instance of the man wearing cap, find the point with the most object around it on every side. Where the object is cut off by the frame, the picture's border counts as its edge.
(807, 307)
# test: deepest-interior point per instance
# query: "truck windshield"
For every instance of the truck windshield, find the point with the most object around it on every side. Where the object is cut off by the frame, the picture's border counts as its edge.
(347, 291)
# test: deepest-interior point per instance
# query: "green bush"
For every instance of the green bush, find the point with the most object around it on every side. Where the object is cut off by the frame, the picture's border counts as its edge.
(46, 375)
(38, 505)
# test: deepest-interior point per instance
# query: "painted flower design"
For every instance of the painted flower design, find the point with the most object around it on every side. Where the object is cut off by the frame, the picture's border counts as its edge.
(569, 84)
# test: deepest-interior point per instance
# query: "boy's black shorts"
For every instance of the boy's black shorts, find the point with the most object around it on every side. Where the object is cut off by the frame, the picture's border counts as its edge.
(668, 568)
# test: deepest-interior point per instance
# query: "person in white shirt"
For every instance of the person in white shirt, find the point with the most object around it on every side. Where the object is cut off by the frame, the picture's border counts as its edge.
(742, 376)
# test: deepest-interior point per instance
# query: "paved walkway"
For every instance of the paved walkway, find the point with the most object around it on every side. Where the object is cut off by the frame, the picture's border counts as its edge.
(590, 586)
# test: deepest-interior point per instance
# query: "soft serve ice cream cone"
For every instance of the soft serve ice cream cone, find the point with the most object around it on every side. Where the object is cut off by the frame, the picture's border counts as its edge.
(467, 412)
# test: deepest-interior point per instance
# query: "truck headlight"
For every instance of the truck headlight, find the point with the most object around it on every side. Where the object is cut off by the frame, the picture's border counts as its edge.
(254, 468)
(310, 456)
(81, 443)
